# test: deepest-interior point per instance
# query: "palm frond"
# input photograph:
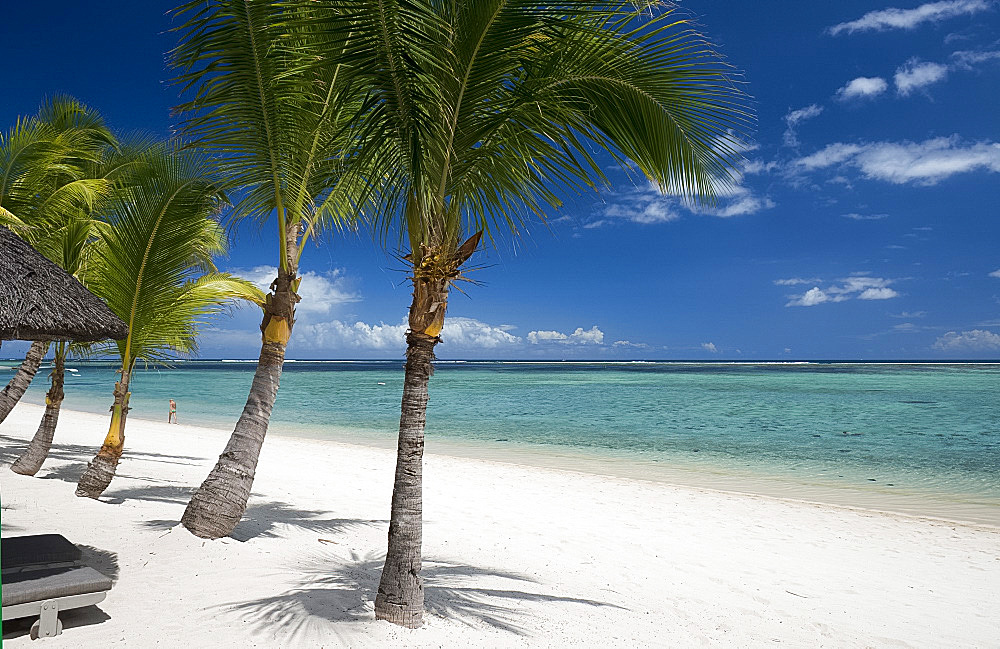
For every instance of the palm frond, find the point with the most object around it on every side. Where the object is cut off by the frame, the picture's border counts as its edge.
(276, 125)
(479, 114)
(149, 266)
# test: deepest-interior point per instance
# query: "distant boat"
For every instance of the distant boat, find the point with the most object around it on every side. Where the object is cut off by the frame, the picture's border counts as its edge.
(381, 382)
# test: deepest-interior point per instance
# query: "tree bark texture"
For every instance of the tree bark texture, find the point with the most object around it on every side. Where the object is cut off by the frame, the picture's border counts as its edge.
(31, 460)
(400, 597)
(219, 503)
(101, 470)
(14, 390)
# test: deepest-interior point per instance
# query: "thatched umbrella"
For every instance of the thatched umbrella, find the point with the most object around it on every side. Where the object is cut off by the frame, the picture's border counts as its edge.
(40, 301)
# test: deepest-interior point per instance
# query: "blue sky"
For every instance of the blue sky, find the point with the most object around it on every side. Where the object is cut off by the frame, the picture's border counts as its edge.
(865, 227)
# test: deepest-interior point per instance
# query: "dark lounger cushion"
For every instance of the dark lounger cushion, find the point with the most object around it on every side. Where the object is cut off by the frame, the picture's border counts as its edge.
(20, 551)
(40, 585)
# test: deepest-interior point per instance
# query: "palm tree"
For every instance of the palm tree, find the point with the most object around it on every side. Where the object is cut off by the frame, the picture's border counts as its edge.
(69, 247)
(154, 269)
(278, 130)
(478, 113)
(44, 180)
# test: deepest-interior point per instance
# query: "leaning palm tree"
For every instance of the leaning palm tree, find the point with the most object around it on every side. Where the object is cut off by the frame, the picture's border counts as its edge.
(154, 269)
(479, 114)
(278, 130)
(69, 239)
(45, 162)
(69, 247)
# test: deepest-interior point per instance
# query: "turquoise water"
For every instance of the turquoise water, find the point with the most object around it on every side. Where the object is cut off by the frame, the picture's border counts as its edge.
(886, 430)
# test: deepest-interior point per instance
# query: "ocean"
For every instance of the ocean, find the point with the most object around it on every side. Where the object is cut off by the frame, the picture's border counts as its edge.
(917, 438)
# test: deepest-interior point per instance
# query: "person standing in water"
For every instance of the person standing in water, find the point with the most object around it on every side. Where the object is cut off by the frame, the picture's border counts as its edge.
(172, 415)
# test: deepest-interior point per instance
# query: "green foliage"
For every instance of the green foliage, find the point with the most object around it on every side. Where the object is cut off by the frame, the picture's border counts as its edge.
(150, 264)
(278, 128)
(477, 113)
(46, 169)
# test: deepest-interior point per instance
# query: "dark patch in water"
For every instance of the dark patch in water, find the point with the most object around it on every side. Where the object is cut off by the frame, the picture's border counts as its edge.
(918, 401)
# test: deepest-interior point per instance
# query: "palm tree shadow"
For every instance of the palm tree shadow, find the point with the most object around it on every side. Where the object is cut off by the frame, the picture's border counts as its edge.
(152, 493)
(66, 472)
(333, 590)
(78, 455)
(262, 520)
(103, 561)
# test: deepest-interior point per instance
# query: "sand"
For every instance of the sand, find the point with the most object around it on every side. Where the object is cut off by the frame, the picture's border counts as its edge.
(515, 556)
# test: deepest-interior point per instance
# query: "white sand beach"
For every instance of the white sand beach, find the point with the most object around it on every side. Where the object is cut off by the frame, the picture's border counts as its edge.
(515, 556)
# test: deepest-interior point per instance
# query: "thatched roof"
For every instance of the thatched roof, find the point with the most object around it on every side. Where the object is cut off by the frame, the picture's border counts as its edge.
(40, 301)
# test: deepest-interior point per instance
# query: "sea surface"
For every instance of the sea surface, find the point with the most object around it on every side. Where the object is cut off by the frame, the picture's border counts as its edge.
(917, 438)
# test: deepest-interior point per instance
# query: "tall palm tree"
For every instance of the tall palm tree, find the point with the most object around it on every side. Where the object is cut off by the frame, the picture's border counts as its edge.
(154, 268)
(278, 129)
(480, 113)
(44, 180)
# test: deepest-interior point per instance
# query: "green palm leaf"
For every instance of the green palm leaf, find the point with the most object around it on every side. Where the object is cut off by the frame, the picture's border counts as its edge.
(149, 265)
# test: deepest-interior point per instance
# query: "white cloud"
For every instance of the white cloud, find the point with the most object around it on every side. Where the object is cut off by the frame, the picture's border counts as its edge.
(471, 333)
(924, 163)
(739, 201)
(862, 87)
(646, 205)
(535, 337)
(975, 340)
(915, 74)
(759, 167)
(795, 281)
(863, 287)
(710, 347)
(336, 334)
(814, 296)
(829, 155)
(865, 217)
(581, 336)
(877, 294)
(859, 283)
(909, 314)
(966, 59)
(320, 292)
(629, 344)
(996, 273)
(458, 333)
(793, 118)
(893, 18)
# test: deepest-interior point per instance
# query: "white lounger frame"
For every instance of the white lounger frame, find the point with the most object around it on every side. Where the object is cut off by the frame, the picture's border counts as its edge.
(48, 624)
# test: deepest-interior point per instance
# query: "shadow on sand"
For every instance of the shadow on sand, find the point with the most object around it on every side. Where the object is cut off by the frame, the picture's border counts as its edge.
(70, 619)
(333, 590)
(262, 520)
(11, 448)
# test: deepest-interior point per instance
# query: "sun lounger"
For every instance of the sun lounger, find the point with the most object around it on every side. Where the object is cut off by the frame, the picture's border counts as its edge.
(42, 576)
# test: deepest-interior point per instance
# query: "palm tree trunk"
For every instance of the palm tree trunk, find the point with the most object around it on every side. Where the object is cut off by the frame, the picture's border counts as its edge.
(101, 469)
(11, 394)
(400, 597)
(31, 460)
(219, 503)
